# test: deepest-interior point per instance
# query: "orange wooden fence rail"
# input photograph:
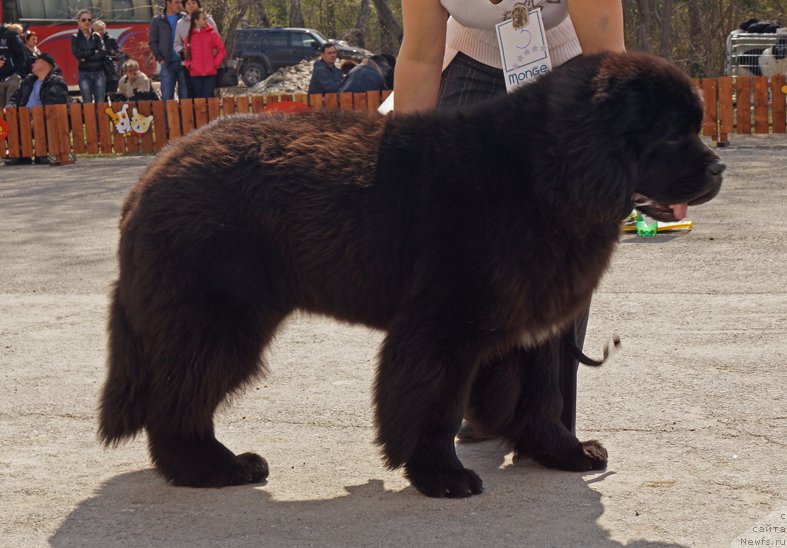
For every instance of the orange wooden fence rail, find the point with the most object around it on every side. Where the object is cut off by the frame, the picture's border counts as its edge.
(743, 105)
(61, 131)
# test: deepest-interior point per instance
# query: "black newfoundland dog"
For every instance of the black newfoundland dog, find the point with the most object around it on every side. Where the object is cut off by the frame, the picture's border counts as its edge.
(471, 238)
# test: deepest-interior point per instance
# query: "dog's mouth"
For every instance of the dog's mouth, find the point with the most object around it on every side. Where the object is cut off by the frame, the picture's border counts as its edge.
(659, 210)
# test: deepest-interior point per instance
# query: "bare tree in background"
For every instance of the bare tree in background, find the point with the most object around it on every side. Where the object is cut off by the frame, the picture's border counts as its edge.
(330, 18)
(262, 14)
(390, 28)
(296, 14)
(665, 22)
(357, 34)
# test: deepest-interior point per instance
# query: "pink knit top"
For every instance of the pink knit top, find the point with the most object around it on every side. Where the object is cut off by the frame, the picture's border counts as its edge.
(471, 29)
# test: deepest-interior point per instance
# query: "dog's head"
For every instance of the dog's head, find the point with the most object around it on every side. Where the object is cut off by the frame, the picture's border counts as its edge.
(654, 113)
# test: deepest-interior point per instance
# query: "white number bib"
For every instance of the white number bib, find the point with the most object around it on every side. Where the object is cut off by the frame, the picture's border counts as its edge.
(523, 51)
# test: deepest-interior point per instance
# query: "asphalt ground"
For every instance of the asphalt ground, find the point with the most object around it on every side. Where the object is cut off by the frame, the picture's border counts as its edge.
(692, 409)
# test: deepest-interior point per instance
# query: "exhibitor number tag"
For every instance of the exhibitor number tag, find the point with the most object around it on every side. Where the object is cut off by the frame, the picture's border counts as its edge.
(523, 49)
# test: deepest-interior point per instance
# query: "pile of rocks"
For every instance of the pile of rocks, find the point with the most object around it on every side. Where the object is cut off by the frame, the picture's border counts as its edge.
(292, 79)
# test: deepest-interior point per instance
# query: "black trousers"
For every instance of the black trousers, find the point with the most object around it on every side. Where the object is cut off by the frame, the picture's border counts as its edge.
(466, 81)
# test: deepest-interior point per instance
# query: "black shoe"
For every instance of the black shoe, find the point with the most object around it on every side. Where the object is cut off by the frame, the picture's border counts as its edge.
(41, 161)
(18, 161)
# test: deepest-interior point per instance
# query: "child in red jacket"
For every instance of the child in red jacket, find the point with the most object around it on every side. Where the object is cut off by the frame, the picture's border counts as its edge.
(204, 54)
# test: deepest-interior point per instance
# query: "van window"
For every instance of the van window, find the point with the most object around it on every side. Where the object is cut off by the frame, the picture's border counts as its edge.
(276, 39)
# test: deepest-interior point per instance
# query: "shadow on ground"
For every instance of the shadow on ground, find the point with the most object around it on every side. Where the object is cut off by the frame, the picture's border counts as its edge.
(554, 509)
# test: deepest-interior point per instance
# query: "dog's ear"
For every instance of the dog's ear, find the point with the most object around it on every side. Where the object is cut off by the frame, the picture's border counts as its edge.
(641, 90)
(619, 74)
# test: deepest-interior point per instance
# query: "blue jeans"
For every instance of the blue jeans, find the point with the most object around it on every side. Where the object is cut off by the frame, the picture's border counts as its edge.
(172, 73)
(92, 86)
(203, 86)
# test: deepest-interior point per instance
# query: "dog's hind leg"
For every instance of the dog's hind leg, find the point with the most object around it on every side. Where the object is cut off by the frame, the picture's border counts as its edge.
(421, 389)
(203, 354)
(518, 398)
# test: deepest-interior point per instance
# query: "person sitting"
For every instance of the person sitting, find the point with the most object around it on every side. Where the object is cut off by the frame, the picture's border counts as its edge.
(134, 85)
(373, 74)
(326, 77)
(43, 86)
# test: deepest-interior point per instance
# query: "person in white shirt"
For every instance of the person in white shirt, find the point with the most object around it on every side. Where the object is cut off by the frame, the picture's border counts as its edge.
(450, 58)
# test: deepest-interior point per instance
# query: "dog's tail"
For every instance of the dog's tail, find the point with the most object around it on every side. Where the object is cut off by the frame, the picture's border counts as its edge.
(582, 358)
(122, 406)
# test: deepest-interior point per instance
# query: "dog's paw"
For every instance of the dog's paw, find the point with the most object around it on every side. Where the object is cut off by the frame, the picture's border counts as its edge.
(221, 472)
(584, 457)
(445, 483)
(255, 467)
(595, 455)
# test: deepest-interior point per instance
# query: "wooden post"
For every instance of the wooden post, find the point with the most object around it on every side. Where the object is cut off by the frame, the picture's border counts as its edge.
(778, 100)
(726, 110)
(39, 131)
(89, 110)
(200, 112)
(761, 123)
(710, 126)
(25, 133)
(145, 109)
(77, 128)
(743, 103)
(105, 126)
(159, 125)
(12, 140)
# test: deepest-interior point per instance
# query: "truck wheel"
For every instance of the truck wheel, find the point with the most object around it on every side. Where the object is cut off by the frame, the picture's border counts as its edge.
(252, 73)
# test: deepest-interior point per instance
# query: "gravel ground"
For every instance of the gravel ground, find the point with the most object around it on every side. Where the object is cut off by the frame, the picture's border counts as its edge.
(692, 409)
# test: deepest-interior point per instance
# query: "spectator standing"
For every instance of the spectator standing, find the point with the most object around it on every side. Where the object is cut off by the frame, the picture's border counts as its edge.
(204, 54)
(113, 55)
(326, 77)
(31, 50)
(161, 39)
(12, 62)
(88, 48)
(134, 85)
(43, 86)
(182, 29)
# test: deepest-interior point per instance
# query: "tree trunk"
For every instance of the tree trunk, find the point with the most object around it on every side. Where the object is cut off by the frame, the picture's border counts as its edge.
(296, 14)
(357, 35)
(232, 24)
(666, 30)
(697, 67)
(643, 26)
(330, 19)
(390, 28)
(262, 15)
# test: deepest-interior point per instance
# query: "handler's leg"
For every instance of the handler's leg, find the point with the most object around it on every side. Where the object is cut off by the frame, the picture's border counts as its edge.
(568, 369)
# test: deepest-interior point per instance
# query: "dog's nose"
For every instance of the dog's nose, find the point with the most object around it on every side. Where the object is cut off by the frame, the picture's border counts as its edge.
(716, 168)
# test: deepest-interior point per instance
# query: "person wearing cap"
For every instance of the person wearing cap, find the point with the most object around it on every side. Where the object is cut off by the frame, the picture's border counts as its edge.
(43, 86)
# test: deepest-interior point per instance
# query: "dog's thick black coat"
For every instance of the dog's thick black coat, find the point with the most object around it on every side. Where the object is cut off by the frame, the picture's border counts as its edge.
(472, 238)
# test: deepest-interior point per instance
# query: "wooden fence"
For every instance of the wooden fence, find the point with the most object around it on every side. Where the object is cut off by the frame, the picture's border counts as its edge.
(743, 105)
(63, 131)
(739, 105)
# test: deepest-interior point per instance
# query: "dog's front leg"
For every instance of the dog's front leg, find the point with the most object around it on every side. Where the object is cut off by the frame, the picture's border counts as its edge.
(422, 385)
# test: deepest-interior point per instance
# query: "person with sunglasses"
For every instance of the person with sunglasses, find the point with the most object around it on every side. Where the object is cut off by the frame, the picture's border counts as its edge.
(88, 47)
